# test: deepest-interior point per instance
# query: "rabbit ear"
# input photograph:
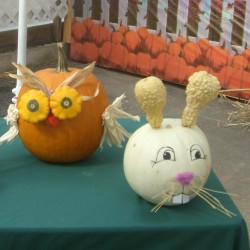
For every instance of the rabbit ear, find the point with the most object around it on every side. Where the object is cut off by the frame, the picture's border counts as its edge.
(29, 77)
(77, 78)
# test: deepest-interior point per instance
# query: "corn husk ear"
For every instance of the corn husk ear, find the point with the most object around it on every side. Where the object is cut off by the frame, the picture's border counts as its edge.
(78, 78)
(29, 77)
(11, 119)
(114, 133)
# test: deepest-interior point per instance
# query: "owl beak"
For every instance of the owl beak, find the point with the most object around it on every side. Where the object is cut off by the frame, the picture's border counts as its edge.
(52, 121)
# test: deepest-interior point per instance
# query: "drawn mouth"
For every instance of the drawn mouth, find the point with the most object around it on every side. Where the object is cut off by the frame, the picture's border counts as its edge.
(181, 199)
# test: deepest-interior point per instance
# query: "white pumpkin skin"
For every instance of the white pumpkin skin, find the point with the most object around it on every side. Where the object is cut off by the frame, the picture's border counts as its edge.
(168, 159)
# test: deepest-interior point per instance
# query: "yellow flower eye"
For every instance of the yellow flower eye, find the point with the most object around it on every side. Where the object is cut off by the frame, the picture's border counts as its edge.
(34, 106)
(66, 103)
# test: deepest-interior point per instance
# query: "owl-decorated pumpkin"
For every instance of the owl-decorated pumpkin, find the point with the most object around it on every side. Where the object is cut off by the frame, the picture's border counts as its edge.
(60, 113)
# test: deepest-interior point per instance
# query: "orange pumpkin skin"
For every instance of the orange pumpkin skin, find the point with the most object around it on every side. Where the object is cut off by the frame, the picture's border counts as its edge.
(78, 31)
(73, 139)
(90, 52)
(181, 40)
(117, 37)
(104, 53)
(240, 62)
(192, 53)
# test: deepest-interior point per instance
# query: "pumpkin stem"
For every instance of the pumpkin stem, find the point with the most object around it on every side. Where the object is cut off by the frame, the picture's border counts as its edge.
(112, 27)
(235, 50)
(62, 65)
(223, 45)
(170, 37)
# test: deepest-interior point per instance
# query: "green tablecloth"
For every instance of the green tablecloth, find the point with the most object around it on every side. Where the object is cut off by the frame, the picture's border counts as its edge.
(89, 205)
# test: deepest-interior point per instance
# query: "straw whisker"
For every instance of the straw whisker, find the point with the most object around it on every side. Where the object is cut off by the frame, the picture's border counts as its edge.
(160, 204)
(220, 192)
(211, 200)
(167, 198)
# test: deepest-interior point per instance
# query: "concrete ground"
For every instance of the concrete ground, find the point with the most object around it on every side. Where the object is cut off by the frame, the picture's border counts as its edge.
(229, 145)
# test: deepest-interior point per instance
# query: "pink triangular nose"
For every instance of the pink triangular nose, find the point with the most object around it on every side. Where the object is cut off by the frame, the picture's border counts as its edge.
(185, 178)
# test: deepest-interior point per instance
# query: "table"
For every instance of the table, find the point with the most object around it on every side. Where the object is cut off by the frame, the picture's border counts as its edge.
(89, 205)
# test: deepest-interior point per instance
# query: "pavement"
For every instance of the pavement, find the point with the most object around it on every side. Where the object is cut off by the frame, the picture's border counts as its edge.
(229, 145)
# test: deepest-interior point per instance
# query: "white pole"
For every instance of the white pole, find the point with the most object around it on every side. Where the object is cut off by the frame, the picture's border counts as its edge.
(22, 42)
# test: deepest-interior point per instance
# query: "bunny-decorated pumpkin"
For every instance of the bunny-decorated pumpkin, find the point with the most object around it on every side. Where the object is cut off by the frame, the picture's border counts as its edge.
(168, 161)
(176, 162)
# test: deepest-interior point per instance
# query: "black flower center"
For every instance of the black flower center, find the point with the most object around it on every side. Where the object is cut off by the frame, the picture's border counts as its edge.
(66, 103)
(33, 105)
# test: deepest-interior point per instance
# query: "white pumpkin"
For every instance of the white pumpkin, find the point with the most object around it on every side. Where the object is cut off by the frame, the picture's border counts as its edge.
(167, 165)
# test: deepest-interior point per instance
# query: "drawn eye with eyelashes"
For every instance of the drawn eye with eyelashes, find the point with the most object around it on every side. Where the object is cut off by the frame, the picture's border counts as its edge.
(196, 153)
(164, 154)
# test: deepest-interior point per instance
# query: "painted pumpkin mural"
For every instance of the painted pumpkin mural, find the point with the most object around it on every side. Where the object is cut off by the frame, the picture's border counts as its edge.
(201, 35)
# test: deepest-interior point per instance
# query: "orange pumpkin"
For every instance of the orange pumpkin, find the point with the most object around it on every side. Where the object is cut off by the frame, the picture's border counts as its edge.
(143, 33)
(75, 49)
(174, 49)
(132, 41)
(122, 29)
(190, 71)
(245, 85)
(217, 57)
(132, 63)
(99, 34)
(192, 53)
(203, 68)
(118, 56)
(240, 62)
(246, 54)
(104, 53)
(155, 44)
(78, 30)
(67, 140)
(230, 78)
(88, 23)
(175, 69)
(90, 52)
(204, 45)
(158, 65)
(117, 37)
(181, 40)
(143, 64)
(225, 75)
